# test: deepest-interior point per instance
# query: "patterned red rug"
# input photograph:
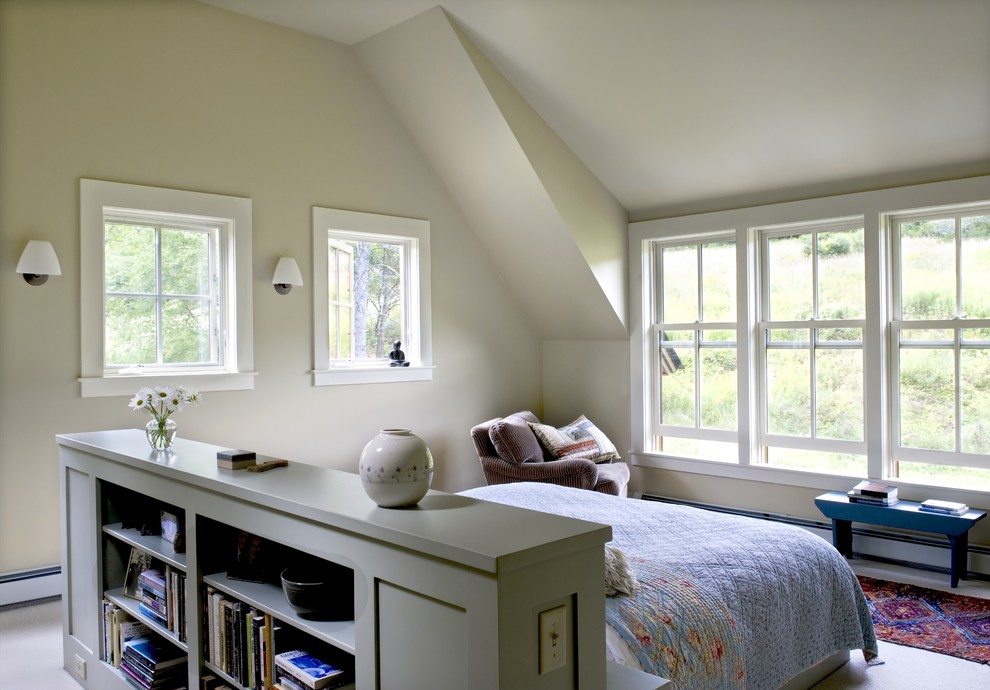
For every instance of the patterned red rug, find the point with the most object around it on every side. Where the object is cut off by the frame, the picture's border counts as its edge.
(929, 619)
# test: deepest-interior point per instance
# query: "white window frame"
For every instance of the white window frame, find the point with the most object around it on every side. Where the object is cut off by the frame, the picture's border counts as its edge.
(873, 207)
(764, 325)
(698, 431)
(217, 295)
(956, 324)
(101, 200)
(414, 234)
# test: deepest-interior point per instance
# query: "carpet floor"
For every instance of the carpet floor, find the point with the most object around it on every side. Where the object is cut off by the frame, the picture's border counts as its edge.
(930, 619)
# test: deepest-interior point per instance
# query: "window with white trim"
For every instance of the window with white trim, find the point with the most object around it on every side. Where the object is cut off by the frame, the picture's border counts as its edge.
(810, 346)
(371, 292)
(166, 289)
(940, 344)
(164, 292)
(693, 347)
(859, 345)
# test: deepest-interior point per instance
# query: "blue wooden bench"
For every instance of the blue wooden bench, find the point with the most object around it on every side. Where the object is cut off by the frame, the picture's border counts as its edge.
(904, 515)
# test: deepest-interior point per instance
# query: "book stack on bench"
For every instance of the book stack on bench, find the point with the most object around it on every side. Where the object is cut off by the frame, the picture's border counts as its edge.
(873, 493)
(943, 507)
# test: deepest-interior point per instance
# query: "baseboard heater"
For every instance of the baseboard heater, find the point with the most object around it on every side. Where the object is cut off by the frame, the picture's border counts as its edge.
(979, 553)
(30, 585)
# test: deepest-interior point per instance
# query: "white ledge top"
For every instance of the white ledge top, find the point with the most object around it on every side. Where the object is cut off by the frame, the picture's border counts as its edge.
(486, 536)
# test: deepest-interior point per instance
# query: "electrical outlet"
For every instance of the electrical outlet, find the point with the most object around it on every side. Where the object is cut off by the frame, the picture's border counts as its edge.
(80, 667)
(553, 639)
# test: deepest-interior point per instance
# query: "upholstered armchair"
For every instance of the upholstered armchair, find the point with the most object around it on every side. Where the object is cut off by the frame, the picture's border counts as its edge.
(509, 451)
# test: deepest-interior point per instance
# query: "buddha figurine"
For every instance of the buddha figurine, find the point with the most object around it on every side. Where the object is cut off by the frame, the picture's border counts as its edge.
(397, 358)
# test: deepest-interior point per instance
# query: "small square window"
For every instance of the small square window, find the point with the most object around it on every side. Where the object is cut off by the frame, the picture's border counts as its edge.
(371, 296)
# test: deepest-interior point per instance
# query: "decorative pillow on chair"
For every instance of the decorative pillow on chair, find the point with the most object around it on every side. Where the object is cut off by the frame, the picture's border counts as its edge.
(579, 439)
(514, 440)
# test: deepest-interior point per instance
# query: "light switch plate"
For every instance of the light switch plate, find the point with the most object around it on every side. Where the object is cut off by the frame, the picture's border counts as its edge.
(553, 639)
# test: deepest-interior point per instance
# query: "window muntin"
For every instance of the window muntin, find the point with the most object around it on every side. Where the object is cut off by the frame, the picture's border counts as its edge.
(940, 335)
(162, 294)
(693, 348)
(371, 277)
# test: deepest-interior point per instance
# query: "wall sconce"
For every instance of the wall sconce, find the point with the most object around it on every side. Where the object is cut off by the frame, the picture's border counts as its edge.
(286, 275)
(38, 261)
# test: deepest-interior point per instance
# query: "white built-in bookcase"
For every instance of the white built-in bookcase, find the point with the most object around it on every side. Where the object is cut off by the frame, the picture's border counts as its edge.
(445, 595)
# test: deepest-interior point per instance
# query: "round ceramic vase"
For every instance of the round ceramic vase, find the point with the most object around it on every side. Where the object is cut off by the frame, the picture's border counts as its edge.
(396, 468)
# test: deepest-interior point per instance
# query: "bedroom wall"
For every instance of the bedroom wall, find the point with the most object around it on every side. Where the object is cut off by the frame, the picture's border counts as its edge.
(189, 96)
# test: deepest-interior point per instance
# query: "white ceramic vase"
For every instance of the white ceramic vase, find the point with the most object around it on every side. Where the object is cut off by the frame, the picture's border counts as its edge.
(396, 468)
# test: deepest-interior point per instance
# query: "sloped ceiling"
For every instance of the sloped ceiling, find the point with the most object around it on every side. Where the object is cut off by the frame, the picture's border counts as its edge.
(671, 107)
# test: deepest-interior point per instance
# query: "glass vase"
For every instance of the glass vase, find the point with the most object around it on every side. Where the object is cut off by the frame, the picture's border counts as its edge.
(161, 433)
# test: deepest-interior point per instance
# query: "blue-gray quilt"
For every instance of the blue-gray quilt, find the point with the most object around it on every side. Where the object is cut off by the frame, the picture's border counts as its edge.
(723, 601)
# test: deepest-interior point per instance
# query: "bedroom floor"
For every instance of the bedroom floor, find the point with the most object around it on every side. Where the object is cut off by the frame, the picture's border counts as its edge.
(31, 648)
(906, 668)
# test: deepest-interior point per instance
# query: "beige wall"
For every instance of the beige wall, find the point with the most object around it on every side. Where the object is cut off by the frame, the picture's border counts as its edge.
(178, 94)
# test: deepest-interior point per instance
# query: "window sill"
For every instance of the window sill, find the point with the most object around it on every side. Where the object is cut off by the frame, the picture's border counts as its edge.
(799, 478)
(360, 375)
(128, 384)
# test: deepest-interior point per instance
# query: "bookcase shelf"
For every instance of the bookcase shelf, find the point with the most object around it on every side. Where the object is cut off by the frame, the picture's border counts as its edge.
(271, 599)
(152, 543)
(131, 605)
(435, 577)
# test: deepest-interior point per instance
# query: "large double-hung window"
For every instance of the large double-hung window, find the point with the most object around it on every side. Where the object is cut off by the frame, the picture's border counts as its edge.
(814, 338)
(940, 344)
(693, 347)
(809, 335)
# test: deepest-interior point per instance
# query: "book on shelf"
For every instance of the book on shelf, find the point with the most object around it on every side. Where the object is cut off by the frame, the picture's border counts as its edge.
(153, 580)
(249, 558)
(170, 526)
(137, 563)
(155, 653)
(119, 627)
(943, 507)
(287, 682)
(151, 664)
(314, 673)
(142, 682)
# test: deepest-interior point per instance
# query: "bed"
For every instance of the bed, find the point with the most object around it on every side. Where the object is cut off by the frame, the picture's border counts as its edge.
(722, 601)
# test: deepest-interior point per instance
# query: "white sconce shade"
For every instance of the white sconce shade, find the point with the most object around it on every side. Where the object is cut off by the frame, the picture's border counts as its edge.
(286, 275)
(38, 261)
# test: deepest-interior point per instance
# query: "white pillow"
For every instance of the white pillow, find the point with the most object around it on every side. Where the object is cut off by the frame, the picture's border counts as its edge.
(619, 580)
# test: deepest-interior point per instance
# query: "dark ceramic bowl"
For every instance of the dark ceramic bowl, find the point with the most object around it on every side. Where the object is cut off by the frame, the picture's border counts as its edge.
(318, 595)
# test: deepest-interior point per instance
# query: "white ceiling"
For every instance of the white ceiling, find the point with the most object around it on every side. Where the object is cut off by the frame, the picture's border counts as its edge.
(680, 106)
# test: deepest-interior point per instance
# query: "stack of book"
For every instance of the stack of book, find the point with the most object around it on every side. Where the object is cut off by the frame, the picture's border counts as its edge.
(163, 599)
(943, 507)
(873, 493)
(118, 627)
(239, 639)
(299, 670)
(148, 663)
